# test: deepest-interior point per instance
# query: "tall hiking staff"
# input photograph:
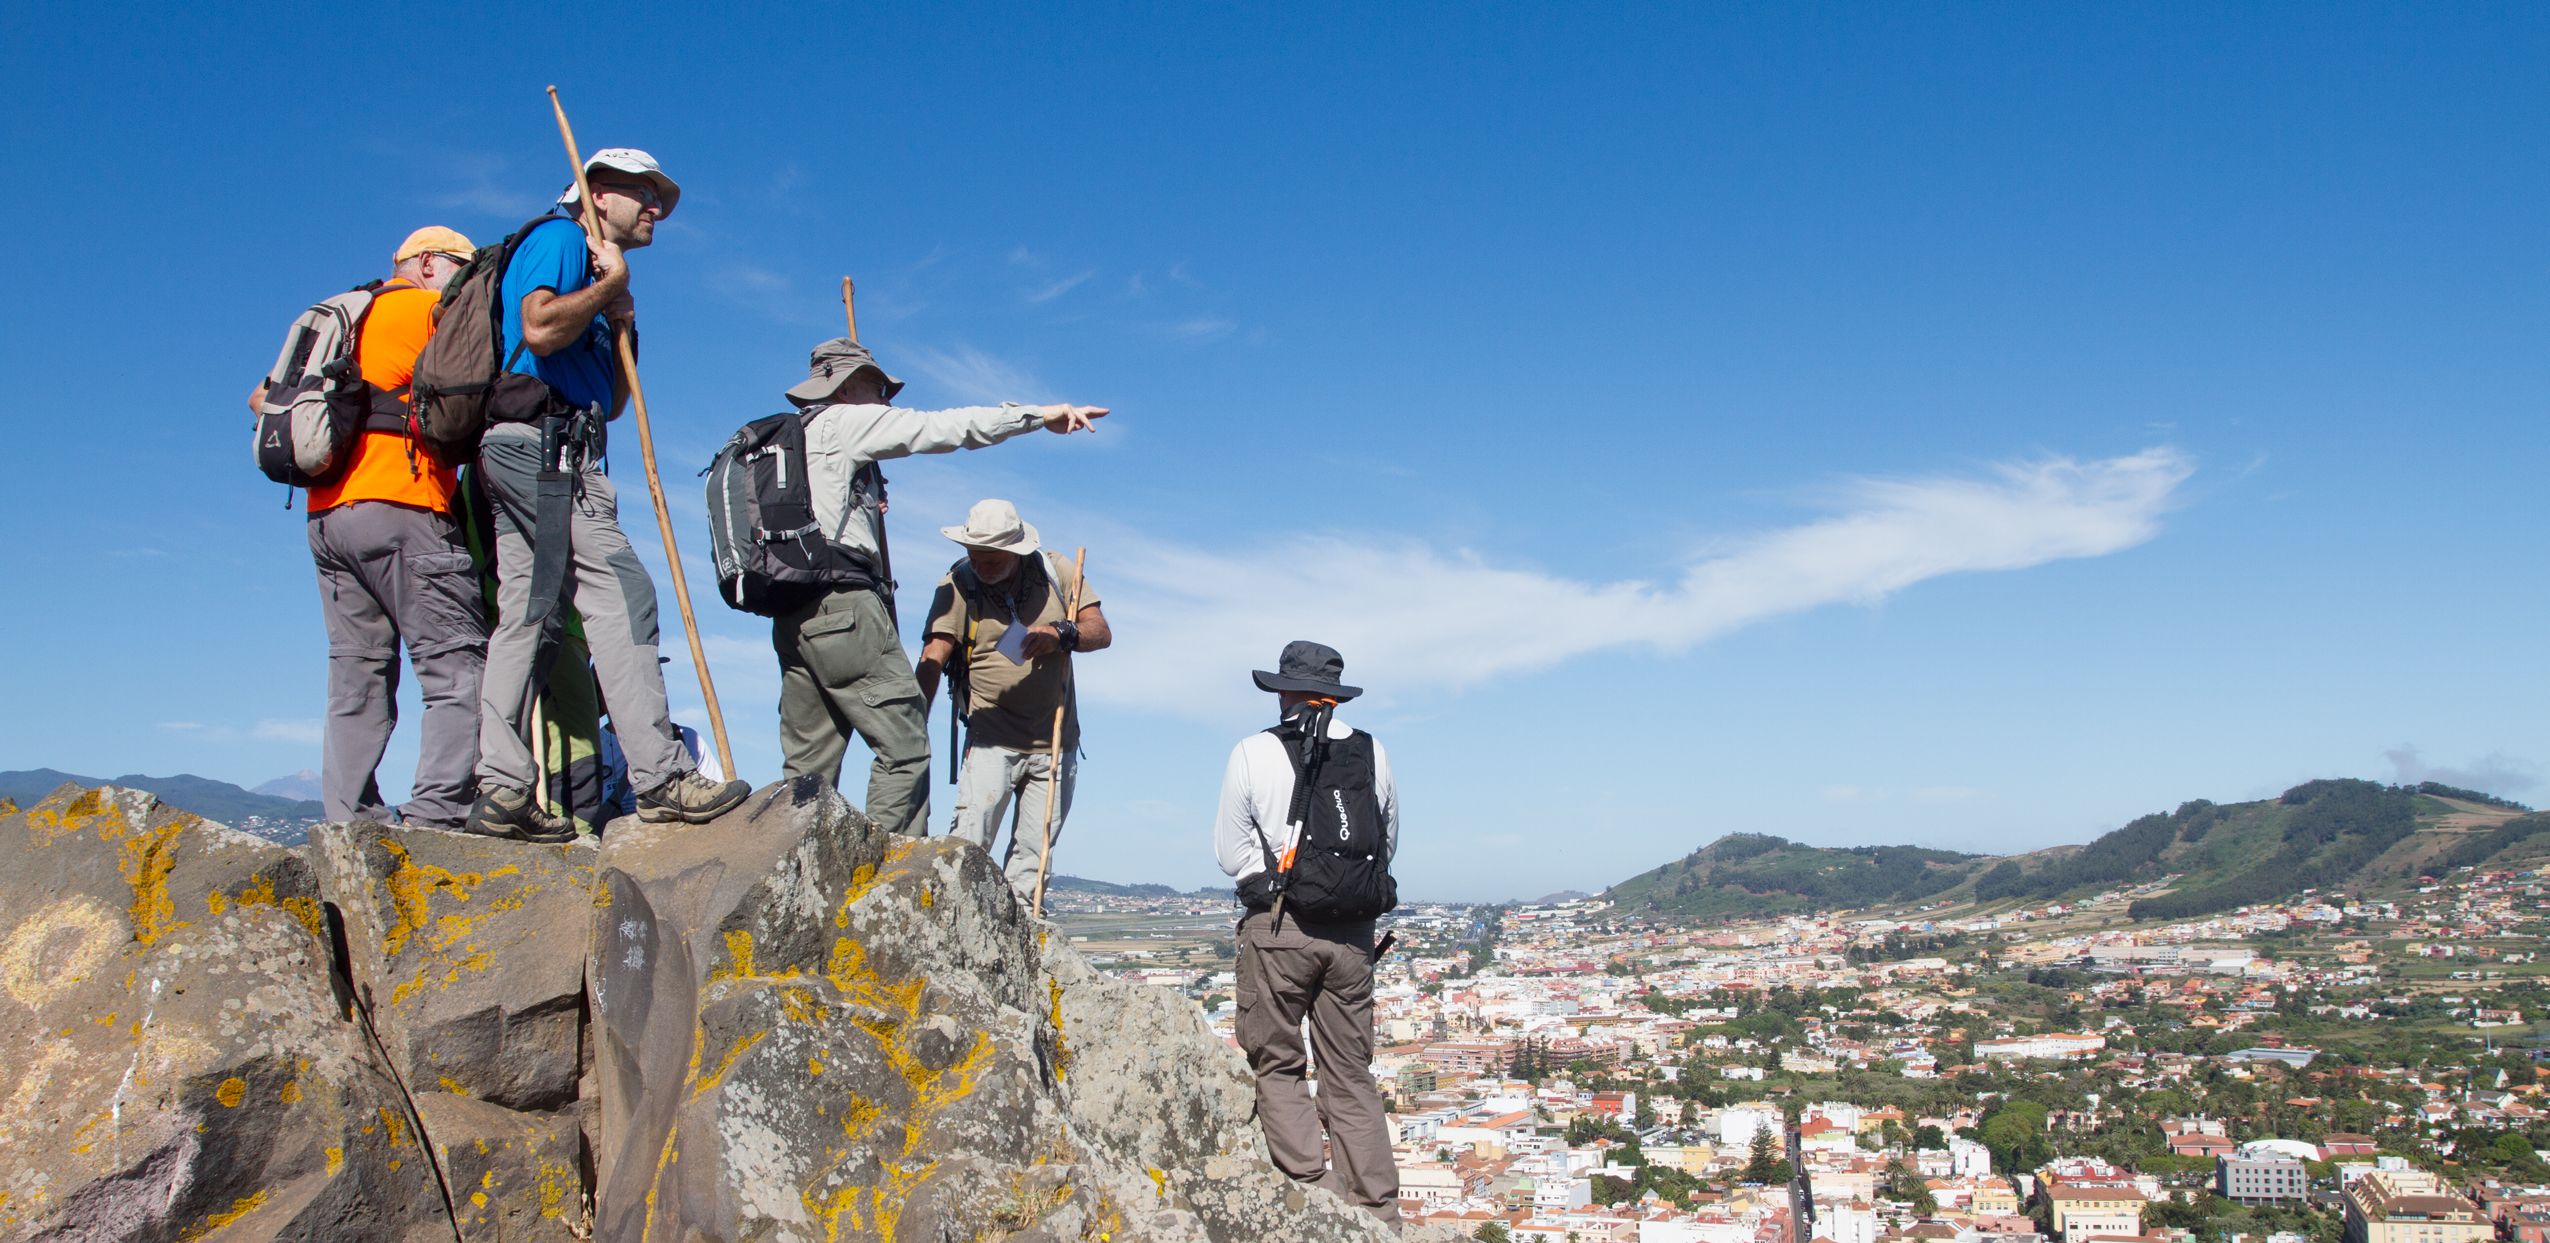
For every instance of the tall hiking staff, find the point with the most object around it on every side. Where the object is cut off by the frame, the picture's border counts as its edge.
(885, 551)
(1053, 764)
(646, 452)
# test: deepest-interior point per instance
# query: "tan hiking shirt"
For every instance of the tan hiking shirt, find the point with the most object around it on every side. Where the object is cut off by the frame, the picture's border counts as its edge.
(1009, 704)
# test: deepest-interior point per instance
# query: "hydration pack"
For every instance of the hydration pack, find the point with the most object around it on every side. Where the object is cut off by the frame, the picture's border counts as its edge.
(1338, 869)
(771, 555)
(316, 400)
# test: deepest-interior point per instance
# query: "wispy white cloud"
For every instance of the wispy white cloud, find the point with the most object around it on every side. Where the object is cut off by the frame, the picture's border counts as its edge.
(970, 375)
(304, 731)
(1202, 328)
(2494, 773)
(1054, 289)
(1412, 617)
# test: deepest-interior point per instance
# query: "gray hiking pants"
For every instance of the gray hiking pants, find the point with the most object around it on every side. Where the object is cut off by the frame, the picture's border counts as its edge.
(842, 670)
(389, 573)
(608, 587)
(992, 780)
(1322, 973)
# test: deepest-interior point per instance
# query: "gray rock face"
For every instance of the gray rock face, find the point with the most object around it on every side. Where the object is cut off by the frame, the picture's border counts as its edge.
(182, 1067)
(810, 1029)
(469, 952)
(801, 1028)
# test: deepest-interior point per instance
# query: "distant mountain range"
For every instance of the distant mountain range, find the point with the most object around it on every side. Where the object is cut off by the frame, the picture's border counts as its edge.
(303, 785)
(2213, 857)
(1074, 884)
(213, 800)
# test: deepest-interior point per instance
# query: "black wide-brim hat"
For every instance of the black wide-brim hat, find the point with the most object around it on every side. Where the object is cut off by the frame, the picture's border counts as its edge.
(1308, 667)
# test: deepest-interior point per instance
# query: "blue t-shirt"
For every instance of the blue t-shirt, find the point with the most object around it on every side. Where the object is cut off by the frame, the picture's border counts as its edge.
(554, 257)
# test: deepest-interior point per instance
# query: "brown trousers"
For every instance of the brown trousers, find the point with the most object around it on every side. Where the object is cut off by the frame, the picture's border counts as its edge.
(1322, 973)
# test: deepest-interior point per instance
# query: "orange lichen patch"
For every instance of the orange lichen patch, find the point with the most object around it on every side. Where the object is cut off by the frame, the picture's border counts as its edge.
(457, 1088)
(1053, 1014)
(146, 859)
(239, 1208)
(336, 1160)
(232, 1091)
(260, 892)
(701, 1084)
(291, 1093)
(395, 1125)
(889, 1012)
(49, 823)
(412, 887)
(929, 897)
(1159, 1179)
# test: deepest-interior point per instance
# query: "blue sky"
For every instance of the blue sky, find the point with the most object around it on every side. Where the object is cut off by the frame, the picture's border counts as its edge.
(1971, 426)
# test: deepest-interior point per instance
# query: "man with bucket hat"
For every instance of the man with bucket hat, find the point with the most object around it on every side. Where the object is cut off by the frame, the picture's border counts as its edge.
(1004, 623)
(1308, 823)
(557, 516)
(842, 668)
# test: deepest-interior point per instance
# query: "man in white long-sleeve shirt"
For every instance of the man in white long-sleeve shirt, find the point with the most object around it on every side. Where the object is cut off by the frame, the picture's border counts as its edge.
(1305, 946)
(842, 668)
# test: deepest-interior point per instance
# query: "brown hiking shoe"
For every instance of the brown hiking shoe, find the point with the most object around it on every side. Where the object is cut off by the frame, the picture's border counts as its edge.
(691, 798)
(513, 814)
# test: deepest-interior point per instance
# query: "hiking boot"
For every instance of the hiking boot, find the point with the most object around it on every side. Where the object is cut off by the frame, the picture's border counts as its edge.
(690, 798)
(512, 813)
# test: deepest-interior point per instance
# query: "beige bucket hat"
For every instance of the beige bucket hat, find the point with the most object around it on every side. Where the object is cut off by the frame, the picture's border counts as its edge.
(994, 525)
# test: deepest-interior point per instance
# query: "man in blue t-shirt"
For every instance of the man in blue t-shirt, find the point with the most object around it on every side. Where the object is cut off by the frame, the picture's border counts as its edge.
(564, 300)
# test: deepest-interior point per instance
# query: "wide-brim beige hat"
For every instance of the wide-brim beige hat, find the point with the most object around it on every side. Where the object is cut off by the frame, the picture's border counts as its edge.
(994, 525)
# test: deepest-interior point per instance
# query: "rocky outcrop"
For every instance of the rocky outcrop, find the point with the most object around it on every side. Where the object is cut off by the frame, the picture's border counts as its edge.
(785, 1025)
(185, 1065)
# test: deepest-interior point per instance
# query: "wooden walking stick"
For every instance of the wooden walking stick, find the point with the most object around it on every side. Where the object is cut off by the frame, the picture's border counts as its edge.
(646, 454)
(1053, 766)
(849, 311)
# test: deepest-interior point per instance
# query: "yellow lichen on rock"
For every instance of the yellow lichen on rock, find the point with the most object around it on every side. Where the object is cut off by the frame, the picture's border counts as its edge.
(239, 1208)
(260, 892)
(232, 1091)
(412, 886)
(146, 859)
(49, 823)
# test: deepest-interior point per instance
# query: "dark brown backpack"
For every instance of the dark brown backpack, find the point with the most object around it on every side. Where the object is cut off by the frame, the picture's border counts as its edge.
(463, 380)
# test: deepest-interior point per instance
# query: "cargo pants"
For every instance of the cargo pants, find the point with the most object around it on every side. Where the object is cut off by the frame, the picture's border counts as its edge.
(1322, 973)
(842, 670)
(390, 573)
(607, 585)
(993, 780)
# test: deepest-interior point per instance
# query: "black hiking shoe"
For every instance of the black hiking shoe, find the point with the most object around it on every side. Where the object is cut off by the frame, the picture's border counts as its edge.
(514, 815)
(691, 799)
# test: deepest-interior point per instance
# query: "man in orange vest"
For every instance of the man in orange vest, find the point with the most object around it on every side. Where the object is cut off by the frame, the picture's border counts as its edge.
(393, 568)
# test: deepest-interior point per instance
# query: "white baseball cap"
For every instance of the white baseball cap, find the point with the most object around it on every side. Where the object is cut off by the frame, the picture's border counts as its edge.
(629, 160)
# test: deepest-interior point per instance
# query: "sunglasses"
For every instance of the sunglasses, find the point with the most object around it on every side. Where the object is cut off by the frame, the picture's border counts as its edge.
(641, 193)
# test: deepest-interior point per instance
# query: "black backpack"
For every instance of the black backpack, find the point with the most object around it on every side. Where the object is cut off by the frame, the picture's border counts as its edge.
(770, 554)
(1339, 868)
(316, 401)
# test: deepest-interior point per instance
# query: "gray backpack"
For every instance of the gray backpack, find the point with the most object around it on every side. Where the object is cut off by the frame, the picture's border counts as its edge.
(315, 401)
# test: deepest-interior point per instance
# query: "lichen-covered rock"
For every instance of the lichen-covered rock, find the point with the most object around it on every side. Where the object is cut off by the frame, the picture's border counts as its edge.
(515, 1177)
(469, 952)
(181, 1066)
(810, 1029)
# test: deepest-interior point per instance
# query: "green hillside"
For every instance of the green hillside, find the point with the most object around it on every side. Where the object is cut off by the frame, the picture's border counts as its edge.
(1755, 873)
(2200, 859)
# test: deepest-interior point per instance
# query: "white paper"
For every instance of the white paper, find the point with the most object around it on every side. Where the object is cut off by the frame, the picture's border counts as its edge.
(1013, 644)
